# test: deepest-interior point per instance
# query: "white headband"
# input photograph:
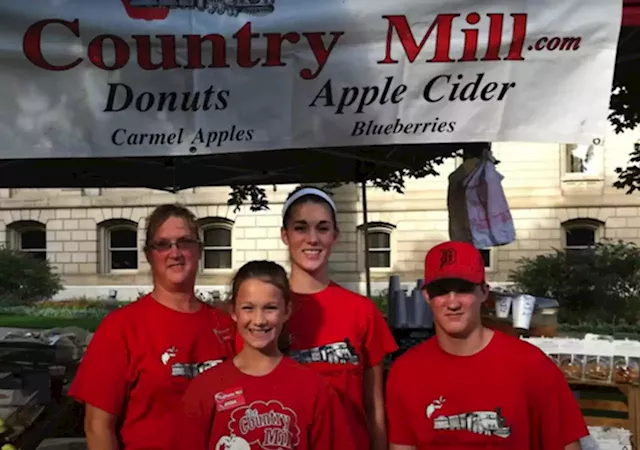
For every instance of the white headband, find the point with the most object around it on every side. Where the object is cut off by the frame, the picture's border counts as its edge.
(308, 191)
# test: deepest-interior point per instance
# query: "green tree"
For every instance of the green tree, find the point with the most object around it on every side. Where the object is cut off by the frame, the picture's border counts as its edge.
(24, 279)
(600, 284)
(625, 104)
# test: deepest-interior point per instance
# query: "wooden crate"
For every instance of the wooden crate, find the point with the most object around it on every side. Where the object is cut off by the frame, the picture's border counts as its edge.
(609, 405)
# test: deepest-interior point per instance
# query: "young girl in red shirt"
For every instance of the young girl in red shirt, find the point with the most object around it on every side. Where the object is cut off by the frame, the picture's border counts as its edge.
(336, 332)
(261, 399)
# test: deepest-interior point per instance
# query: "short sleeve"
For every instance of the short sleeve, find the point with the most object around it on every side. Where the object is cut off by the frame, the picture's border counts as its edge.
(398, 428)
(194, 417)
(378, 340)
(329, 428)
(227, 333)
(101, 379)
(556, 417)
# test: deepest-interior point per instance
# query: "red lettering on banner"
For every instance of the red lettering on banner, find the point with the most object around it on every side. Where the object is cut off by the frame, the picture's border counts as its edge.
(120, 54)
(442, 26)
(32, 43)
(113, 52)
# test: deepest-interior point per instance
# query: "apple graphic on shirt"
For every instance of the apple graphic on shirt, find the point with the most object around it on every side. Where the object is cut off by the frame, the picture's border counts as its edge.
(232, 443)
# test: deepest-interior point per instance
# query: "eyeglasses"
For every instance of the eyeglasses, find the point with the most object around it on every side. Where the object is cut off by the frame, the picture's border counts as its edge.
(165, 245)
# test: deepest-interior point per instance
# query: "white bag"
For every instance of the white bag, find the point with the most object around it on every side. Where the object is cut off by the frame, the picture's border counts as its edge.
(489, 215)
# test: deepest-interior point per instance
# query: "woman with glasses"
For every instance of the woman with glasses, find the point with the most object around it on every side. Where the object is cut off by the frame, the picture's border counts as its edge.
(143, 356)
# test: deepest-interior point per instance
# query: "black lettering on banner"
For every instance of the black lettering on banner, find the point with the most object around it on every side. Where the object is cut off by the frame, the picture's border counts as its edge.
(121, 136)
(371, 128)
(215, 138)
(360, 97)
(208, 138)
(122, 97)
(443, 88)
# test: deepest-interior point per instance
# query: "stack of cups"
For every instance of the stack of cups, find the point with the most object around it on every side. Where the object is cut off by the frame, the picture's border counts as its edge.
(523, 307)
(503, 306)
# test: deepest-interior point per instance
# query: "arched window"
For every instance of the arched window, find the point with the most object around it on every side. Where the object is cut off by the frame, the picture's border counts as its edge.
(380, 240)
(119, 245)
(581, 234)
(28, 237)
(216, 236)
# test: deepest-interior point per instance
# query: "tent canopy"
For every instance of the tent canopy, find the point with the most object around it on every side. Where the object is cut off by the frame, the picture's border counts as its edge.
(266, 167)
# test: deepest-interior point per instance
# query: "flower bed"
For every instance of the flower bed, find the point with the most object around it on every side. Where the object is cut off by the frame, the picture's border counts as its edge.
(69, 309)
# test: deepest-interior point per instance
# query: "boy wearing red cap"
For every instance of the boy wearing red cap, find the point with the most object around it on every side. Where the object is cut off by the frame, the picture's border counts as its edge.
(472, 387)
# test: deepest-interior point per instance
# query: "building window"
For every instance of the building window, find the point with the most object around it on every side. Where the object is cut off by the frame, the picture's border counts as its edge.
(380, 242)
(217, 244)
(487, 255)
(582, 159)
(379, 249)
(29, 238)
(119, 245)
(581, 234)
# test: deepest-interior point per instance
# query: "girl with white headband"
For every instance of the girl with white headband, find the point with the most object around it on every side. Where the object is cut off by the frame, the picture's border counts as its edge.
(337, 332)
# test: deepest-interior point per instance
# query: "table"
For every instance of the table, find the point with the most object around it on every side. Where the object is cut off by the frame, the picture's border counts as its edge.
(44, 425)
(631, 408)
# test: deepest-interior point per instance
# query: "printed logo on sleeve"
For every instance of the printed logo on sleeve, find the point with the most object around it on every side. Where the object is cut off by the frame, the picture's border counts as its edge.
(336, 353)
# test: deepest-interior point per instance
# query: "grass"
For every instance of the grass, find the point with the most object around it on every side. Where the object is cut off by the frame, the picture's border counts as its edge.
(20, 321)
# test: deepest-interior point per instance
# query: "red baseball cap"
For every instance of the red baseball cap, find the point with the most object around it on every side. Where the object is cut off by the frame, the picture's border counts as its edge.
(456, 260)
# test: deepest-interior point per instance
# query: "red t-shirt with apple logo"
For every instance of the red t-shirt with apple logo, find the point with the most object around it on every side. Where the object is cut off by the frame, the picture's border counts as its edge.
(141, 360)
(340, 334)
(510, 395)
(290, 408)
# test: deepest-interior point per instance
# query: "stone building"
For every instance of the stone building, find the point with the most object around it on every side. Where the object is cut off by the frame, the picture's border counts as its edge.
(560, 196)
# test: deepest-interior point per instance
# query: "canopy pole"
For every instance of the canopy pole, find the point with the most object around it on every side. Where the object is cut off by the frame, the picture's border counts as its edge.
(365, 229)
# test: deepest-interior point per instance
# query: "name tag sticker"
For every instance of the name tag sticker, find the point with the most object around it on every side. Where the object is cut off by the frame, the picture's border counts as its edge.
(229, 399)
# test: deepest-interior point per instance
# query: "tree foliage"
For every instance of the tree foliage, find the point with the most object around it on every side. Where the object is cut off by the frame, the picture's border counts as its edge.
(597, 284)
(625, 104)
(393, 181)
(629, 177)
(24, 279)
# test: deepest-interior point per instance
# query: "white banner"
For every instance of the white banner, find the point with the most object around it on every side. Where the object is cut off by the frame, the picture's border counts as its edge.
(101, 78)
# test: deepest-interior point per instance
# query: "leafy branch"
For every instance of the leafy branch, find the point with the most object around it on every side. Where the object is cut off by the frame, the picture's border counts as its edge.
(391, 180)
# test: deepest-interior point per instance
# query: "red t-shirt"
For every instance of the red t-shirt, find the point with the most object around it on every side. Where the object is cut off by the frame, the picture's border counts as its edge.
(340, 334)
(290, 408)
(510, 395)
(141, 360)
